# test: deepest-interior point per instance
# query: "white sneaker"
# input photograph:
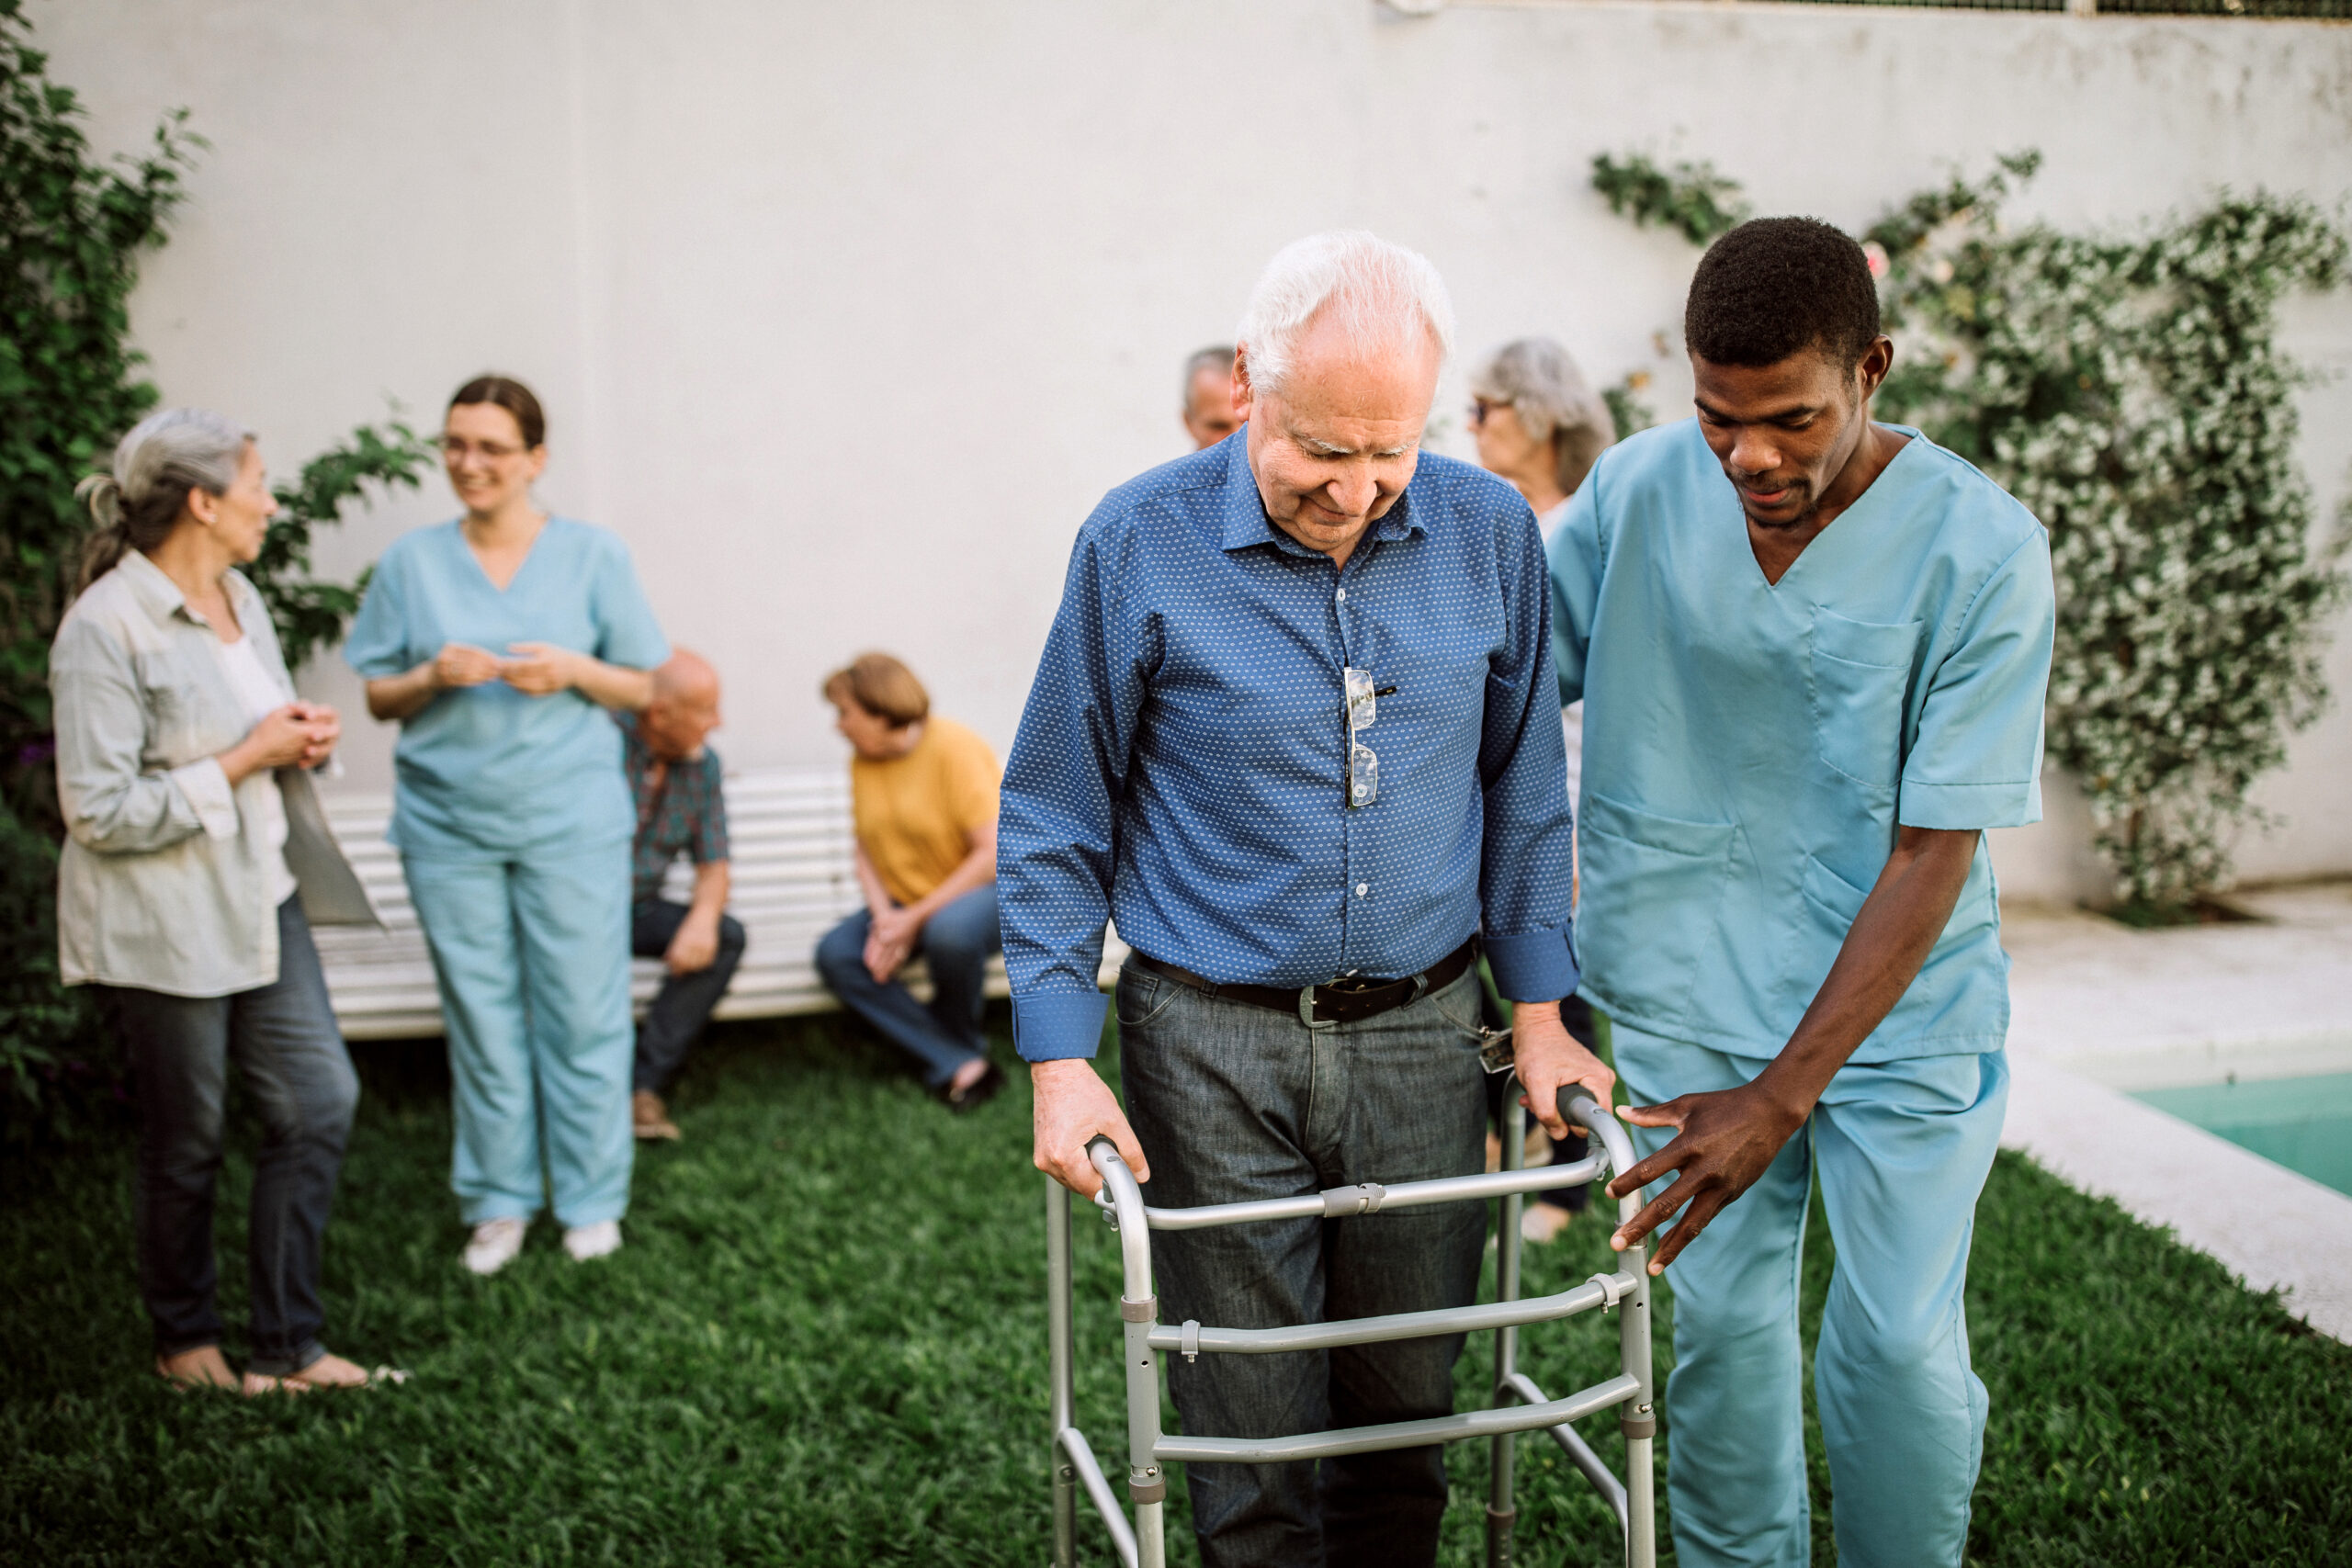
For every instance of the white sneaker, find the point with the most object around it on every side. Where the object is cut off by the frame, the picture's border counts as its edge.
(599, 1240)
(495, 1245)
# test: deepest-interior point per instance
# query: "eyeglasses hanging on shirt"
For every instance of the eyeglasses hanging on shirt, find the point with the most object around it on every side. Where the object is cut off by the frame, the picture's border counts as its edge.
(1362, 708)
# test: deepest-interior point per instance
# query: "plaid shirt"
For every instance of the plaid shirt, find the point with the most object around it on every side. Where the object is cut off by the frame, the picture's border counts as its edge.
(683, 814)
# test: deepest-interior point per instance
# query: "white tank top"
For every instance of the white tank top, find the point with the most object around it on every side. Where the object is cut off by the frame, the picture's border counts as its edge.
(259, 696)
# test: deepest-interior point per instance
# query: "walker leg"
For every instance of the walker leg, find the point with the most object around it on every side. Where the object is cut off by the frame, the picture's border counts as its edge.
(1502, 1515)
(1641, 1505)
(1147, 1482)
(1152, 1535)
(1638, 1418)
(1058, 1357)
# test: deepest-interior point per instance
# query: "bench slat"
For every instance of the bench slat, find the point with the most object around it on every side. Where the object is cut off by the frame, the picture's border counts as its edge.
(792, 880)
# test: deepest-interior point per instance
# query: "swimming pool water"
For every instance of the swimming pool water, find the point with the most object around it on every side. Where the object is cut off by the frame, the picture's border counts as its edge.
(2304, 1124)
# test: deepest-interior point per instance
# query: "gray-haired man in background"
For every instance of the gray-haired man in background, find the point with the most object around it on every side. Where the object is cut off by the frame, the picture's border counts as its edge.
(1210, 413)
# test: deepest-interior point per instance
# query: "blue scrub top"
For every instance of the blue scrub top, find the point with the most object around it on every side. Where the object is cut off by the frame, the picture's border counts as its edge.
(1750, 748)
(487, 770)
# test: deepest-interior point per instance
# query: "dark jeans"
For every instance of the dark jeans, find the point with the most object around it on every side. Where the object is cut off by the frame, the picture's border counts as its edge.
(288, 1049)
(682, 1005)
(955, 945)
(1233, 1101)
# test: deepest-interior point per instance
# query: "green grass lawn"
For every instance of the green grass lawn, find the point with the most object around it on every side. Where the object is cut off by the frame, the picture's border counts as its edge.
(824, 1344)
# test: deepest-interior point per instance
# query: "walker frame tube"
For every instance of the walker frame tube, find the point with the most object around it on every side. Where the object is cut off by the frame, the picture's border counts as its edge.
(1519, 1404)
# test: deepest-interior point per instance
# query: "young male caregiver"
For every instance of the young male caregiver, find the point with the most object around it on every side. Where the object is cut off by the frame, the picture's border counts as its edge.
(1812, 651)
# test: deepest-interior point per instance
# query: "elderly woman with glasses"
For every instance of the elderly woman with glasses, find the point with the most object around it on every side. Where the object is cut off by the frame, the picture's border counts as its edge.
(1541, 427)
(1539, 424)
(500, 642)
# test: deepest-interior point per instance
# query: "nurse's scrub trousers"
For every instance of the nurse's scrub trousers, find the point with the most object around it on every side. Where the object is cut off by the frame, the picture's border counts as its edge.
(1902, 1149)
(533, 954)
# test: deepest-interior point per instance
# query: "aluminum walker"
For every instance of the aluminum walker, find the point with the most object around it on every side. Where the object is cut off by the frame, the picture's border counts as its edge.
(1519, 1404)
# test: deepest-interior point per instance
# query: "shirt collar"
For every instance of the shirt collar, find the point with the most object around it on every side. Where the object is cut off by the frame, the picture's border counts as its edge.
(162, 598)
(1245, 523)
(156, 593)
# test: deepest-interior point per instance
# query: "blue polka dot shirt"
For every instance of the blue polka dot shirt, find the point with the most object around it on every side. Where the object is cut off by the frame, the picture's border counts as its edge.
(1182, 764)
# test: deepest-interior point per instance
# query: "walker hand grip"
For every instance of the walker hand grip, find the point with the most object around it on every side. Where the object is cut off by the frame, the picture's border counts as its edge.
(1602, 1123)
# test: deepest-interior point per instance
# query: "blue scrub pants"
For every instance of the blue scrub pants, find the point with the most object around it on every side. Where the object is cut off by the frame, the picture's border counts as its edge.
(1902, 1150)
(533, 958)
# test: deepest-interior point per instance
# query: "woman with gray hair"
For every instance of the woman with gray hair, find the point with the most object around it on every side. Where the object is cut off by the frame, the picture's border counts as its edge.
(194, 848)
(1541, 427)
(1539, 424)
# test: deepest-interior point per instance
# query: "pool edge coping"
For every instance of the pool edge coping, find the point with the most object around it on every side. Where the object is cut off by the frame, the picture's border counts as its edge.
(2274, 1228)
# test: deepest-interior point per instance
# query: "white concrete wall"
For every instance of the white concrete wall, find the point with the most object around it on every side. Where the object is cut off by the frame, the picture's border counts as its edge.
(846, 315)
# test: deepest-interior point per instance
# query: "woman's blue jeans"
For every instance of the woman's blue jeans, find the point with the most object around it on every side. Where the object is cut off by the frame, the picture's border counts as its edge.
(955, 945)
(290, 1052)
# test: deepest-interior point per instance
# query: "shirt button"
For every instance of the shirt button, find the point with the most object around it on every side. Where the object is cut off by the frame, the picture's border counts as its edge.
(1362, 888)
(1343, 596)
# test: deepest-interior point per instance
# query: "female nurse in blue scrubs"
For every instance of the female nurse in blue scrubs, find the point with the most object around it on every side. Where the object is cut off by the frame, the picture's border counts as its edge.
(499, 641)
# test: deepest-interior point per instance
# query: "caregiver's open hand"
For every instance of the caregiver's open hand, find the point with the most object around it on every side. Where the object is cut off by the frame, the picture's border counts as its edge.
(1726, 1140)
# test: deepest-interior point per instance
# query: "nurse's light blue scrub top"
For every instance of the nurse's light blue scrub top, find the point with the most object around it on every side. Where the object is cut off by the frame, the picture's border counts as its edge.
(1750, 748)
(487, 772)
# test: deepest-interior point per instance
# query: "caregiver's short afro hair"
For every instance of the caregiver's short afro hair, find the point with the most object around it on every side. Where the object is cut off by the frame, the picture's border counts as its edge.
(1774, 287)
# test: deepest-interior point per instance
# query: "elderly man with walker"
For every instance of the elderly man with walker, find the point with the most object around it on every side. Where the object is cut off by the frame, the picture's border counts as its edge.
(1813, 651)
(1305, 893)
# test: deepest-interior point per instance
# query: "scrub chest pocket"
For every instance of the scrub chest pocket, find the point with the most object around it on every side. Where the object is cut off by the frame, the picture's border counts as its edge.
(1860, 673)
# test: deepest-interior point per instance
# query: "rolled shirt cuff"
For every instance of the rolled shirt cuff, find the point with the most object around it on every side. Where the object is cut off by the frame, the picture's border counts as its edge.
(1533, 966)
(209, 794)
(1058, 1025)
(1955, 807)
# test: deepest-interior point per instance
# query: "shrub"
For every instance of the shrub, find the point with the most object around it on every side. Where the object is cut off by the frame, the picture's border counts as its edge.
(2133, 393)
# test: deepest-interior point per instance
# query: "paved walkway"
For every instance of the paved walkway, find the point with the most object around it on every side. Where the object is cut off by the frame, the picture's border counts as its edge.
(2100, 1009)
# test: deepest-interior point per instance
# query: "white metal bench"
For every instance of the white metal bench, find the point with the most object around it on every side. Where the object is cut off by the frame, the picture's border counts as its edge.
(793, 880)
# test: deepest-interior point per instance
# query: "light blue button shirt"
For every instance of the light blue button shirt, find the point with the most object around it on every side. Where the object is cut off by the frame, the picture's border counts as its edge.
(1750, 748)
(487, 770)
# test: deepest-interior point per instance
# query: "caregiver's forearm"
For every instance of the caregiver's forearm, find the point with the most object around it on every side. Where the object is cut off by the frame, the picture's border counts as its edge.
(1892, 937)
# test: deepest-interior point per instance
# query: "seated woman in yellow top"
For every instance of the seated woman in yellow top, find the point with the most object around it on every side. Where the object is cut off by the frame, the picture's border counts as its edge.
(923, 792)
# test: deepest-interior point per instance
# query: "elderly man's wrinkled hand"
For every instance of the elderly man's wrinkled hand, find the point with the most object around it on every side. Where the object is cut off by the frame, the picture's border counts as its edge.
(1726, 1140)
(1074, 1106)
(1549, 1061)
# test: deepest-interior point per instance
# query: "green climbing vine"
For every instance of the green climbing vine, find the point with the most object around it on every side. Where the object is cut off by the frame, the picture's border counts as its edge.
(2131, 391)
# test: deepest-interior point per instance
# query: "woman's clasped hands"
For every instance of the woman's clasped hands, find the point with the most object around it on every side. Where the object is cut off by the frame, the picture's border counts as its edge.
(299, 735)
(534, 669)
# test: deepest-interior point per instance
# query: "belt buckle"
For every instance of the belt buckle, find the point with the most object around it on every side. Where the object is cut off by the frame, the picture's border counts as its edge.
(1306, 1010)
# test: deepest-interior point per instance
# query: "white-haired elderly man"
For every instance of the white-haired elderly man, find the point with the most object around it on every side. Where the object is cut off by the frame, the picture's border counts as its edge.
(1307, 894)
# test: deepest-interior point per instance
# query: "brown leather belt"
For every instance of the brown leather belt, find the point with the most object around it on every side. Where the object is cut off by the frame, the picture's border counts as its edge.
(1345, 1001)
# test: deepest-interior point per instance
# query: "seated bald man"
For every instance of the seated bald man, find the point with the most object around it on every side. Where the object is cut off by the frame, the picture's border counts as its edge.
(674, 778)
